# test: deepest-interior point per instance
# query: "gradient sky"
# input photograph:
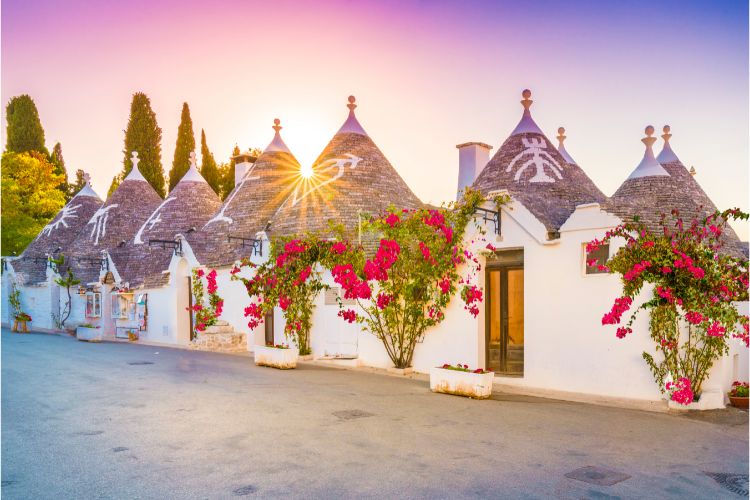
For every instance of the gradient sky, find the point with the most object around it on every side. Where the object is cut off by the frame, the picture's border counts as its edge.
(427, 75)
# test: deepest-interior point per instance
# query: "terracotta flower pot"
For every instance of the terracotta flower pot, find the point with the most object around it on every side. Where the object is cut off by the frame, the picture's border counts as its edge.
(738, 402)
(20, 326)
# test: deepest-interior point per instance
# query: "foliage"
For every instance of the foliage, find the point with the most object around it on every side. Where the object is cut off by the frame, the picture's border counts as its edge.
(400, 291)
(30, 198)
(209, 170)
(88, 325)
(56, 158)
(79, 183)
(144, 136)
(206, 314)
(692, 307)
(291, 279)
(184, 146)
(740, 389)
(226, 172)
(66, 281)
(14, 299)
(463, 368)
(24, 133)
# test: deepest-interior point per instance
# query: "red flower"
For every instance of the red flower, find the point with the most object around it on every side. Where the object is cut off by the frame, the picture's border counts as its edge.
(694, 318)
(716, 330)
(392, 220)
(284, 302)
(383, 300)
(622, 332)
(445, 285)
(348, 315)
(425, 250)
(338, 248)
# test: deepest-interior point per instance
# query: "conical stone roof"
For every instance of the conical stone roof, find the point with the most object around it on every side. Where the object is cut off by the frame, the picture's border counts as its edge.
(115, 222)
(250, 206)
(668, 187)
(57, 236)
(350, 176)
(532, 170)
(185, 210)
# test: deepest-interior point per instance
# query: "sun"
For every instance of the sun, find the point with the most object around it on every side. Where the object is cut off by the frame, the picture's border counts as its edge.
(306, 171)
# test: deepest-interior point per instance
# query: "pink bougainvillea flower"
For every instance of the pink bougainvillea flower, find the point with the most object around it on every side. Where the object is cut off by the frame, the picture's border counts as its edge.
(716, 330)
(622, 332)
(621, 305)
(284, 302)
(694, 318)
(392, 220)
(338, 248)
(349, 315)
(383, 300)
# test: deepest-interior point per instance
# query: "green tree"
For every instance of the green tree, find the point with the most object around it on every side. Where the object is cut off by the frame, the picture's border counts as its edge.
(226, 171)
(144, 136)
(116, 180)
(209, 169)
(79, 183)
(30, 198)
(25, 132)
(59, 162)
(185, 145)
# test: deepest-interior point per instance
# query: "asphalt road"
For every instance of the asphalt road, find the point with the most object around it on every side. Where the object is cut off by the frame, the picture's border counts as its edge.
(84, 420)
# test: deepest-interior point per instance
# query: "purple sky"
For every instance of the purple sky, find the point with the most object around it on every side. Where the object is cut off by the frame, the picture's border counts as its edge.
(427, 75)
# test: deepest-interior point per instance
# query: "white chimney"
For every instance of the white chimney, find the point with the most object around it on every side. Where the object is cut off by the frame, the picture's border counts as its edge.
(472, 158)
(242, 163)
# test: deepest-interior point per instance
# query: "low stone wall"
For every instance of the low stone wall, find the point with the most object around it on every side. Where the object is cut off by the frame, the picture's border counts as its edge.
(220, 338)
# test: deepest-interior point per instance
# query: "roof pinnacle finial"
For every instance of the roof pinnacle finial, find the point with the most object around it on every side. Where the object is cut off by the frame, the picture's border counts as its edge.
(649, 140)
(666, 135)
(193, 160)
(693, 171)
(561, 135)
(277, 125)
(86, 178)
(352, 101)
(527, 102)
(134, 159)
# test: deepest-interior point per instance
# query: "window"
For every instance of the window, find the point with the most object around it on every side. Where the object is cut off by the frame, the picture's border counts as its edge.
(601, 255)
(93, 305)
(123, 306)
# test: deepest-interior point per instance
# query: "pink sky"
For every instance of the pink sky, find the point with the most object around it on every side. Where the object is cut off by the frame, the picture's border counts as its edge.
(427, 76)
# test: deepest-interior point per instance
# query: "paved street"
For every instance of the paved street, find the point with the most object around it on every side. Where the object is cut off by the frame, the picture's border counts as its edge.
(106, 420)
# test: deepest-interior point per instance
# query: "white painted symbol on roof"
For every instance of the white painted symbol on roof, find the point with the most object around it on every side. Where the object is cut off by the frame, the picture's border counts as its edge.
(327, 166)
(153, 220)
(68, 212)
(220, 217)
(99, 220)
(539, 159)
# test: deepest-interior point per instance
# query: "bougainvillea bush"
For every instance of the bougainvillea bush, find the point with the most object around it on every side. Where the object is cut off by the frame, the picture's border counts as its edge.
(693, 307)
(290, 279)
(401, 283)
(206, 312)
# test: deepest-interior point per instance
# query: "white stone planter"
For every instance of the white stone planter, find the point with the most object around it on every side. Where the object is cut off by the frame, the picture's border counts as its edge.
(89, 334)
(473, 385)
(710, 400)
(274, 357)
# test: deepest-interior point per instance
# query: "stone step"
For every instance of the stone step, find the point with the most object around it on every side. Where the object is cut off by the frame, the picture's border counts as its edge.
(219, 329)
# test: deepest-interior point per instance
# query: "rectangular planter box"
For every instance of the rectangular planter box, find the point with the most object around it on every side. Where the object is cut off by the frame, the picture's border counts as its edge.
(283, 359)
(89, 334)
(710, 400)
(472, 385)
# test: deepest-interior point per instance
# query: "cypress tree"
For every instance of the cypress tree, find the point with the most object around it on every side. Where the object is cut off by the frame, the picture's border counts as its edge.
(59, 162)
(144, 136)
(209, 170)
(185, 145)
(24, 132)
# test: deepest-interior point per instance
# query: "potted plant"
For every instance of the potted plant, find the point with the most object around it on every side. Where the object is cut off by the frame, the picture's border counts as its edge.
(20, 323)
(739, 394)
(460, 380)
(87, 332)
(280, 356)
